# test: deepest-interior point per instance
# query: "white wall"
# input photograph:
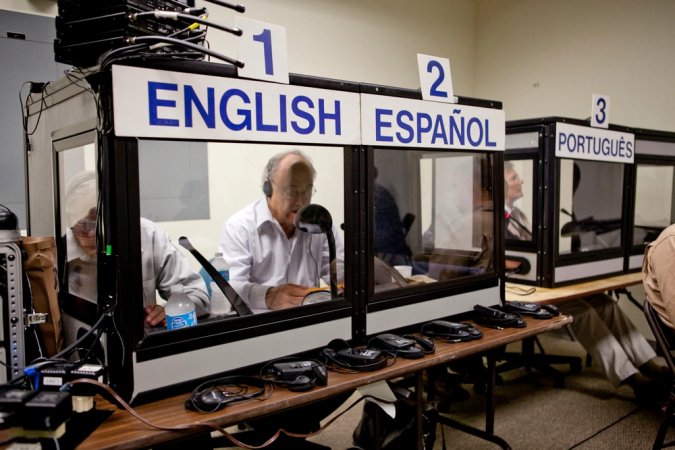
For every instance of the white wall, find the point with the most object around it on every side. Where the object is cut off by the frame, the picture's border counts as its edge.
(373, 41)
(545, 58)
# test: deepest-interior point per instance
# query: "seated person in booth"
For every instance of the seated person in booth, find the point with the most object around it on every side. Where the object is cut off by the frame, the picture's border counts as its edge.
(608, 335)
(162, 264)
(658, 275)
(272, 264)
(517, 224)
(389, 244)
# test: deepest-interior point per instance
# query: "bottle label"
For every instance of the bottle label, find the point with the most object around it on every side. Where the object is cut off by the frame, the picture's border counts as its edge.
(181, 321)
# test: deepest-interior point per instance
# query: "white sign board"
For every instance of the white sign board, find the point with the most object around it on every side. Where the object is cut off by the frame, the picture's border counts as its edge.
(578, 142)
(400, 122)
(262, 48)
(435, 79)
(600, 111)
(161, 104)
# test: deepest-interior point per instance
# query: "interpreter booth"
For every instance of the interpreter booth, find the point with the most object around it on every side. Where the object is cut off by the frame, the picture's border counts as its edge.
(652, 207)
(568, 191)
(184, 146)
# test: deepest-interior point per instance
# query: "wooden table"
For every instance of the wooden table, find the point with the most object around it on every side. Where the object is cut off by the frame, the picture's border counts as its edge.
(571, 292)
(123, 431)
(543, 362)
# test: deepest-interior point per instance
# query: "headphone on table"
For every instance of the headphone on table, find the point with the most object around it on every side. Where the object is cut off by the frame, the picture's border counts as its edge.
(407, 346)
(296, 374)
(214, 395)
(339, 355)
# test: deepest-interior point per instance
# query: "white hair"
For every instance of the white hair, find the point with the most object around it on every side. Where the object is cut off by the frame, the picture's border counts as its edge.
(81, 196)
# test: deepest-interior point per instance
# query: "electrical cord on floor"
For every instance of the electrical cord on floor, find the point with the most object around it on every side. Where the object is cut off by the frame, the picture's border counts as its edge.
(213, 427)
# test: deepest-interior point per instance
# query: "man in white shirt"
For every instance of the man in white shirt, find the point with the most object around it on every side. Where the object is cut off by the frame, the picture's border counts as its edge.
(162, 264)
(272, 264)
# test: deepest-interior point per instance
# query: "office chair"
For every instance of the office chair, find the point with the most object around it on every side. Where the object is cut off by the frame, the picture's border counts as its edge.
(528, 358)
(665, 342)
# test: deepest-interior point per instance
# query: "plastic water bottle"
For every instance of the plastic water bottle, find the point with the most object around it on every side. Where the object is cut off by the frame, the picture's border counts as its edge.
(180, 310)
(219, 303)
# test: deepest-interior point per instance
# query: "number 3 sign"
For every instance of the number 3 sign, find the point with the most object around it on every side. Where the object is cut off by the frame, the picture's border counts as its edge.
(262, 48)
(600, 111)
(435, 79)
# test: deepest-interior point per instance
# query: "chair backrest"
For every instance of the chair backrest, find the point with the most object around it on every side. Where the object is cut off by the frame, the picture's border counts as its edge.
(665, 336)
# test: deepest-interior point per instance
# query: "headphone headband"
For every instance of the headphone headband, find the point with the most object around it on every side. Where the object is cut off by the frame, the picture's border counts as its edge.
(214, 395)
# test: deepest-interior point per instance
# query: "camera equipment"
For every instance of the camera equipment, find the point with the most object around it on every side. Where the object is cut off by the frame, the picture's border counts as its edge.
(216, 394)
(452, 331)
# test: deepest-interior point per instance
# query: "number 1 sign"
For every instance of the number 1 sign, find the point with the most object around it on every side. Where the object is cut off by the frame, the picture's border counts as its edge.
(262, 48)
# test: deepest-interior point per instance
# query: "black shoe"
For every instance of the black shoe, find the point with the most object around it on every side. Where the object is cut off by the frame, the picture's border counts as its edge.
(656, 371)
(648, 392)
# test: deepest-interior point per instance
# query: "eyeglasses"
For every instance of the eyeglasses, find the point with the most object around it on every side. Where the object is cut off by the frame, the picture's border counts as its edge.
(84, 227)
(293, 193)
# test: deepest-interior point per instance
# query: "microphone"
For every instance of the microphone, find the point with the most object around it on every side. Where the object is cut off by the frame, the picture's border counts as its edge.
(315, 219)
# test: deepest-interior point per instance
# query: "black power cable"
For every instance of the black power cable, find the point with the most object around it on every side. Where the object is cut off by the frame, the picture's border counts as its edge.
(180, 43)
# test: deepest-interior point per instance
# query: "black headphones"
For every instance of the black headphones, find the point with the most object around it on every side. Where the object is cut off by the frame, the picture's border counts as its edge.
(427, 345)
(339, 355)
(452, 331)
(214, 395)
(296, 374)
(267, 184)
(408, 346)
(267, 188)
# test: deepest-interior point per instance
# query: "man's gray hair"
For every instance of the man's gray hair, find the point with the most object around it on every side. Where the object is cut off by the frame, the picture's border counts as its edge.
(273, 164)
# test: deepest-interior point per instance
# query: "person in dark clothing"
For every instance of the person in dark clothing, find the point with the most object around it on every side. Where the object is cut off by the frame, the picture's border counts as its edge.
(389, 243)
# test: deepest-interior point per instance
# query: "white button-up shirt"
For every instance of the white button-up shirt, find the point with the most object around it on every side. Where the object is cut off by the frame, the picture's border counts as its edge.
(260, 256)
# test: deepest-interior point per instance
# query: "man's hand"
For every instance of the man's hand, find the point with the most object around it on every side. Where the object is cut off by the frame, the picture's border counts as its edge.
(154, 315)
(285, 296)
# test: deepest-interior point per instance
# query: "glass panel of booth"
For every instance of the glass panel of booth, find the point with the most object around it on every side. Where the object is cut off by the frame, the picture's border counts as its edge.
(433, 216)
(519, 193)
(591, 205)
(520, 186)
(78, 199)
(654, 196)
(230, 188)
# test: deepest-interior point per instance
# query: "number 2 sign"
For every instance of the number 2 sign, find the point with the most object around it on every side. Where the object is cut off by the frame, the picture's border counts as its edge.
(262, 48)
(435, 79)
